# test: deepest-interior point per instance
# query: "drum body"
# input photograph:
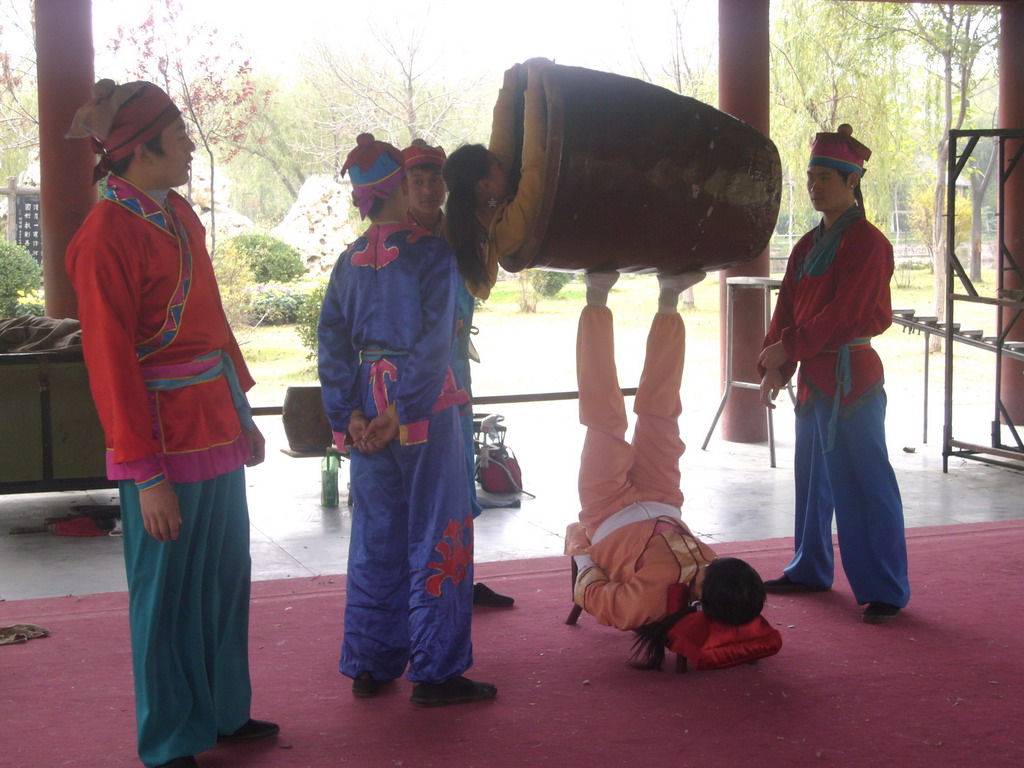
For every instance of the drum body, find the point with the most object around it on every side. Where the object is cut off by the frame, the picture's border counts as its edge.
(640, 178)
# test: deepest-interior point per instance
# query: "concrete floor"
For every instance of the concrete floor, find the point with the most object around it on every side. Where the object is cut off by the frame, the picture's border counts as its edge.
(732, 494)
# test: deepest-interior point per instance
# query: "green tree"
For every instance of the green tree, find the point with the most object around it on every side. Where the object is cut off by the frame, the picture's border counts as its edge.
(820, 80)
(272, 159)
(958, 42)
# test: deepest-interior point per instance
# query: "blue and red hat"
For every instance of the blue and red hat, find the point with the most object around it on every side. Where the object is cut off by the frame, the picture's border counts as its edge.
(839, 151)
(375, 169)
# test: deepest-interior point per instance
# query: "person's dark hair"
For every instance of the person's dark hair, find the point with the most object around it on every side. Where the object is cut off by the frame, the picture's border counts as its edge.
(432, 167)
(462, 170)
(375, 207)
(732, 593)
(649, 645)
(154, 145)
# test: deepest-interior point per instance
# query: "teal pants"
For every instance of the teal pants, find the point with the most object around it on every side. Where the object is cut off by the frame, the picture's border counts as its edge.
(189, 617)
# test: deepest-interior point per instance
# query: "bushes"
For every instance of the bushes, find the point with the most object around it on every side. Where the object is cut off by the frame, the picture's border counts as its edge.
(308, 315)
(19, 274)
(548, 283)
(30, 304)
(234, 277)
(270, 259)
(281, 303)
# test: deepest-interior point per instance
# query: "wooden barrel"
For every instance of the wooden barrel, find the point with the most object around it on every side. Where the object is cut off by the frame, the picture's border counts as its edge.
(641, 178)
(305, 422)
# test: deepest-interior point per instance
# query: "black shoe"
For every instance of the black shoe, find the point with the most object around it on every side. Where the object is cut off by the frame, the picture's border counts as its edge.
(181, 762)
(456, 690)
(253, 730)
(879, 613)
(785, 584)
(365, 687)
(484, 595)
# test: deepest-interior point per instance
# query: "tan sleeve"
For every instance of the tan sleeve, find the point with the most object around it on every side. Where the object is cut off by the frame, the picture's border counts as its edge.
(515, 218)
(637, 601)
(503, 129)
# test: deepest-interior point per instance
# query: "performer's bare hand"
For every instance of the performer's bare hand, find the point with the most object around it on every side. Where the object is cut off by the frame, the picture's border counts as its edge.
(257, 446)
(383, 429)
(771, 384)
(773, 356)
(160, 512)
(357, 424)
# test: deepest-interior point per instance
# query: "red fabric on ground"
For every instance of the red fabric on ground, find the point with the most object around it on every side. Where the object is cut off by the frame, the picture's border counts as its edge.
(940, 686)
(78, 526)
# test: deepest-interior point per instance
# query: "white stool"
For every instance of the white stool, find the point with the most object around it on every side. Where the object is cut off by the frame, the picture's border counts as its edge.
(733, 284)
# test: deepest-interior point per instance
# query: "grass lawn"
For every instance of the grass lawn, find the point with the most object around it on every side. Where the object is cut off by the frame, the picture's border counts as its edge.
(535, 352)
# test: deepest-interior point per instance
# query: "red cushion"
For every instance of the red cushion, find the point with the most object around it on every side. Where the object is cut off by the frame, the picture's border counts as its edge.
(710, 644)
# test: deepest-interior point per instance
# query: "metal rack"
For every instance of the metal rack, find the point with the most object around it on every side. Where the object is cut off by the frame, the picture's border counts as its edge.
(733, 285)
(999, 452)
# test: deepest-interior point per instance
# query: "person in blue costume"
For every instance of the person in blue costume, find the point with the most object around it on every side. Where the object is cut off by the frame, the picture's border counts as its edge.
(834, 298)
(427, 192)
(385, 344)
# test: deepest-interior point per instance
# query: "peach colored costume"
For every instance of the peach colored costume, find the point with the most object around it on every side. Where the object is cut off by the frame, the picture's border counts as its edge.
(630, 520)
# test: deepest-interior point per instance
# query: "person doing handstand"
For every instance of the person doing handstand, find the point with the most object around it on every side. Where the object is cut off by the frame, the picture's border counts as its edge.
(630, 545)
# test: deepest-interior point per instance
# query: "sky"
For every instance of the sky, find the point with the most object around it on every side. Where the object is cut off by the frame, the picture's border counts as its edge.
(465, 37)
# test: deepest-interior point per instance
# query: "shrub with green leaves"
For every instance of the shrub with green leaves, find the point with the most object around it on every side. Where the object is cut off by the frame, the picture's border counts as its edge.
(19, 274)
(271, 260)
(548, 283)
(308, 315)
(234, 277)
(277, 303)
(31, 303)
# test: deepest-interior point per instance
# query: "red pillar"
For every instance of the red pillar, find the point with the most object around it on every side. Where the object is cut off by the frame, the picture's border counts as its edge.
(64, 64)
(1011, 115)
(743, 91)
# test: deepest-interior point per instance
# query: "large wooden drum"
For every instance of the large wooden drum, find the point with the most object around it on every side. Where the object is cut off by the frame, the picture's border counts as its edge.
(641, 178)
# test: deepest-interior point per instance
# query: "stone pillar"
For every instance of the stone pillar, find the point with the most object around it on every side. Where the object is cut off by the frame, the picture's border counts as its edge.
(64, 63)
(1011, 115)
(743, 91)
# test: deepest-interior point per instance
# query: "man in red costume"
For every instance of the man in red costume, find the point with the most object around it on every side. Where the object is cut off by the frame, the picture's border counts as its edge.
(834, 298)
(168, 381)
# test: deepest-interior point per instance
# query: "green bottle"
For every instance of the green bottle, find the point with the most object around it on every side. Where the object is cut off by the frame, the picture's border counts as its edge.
(329, 478)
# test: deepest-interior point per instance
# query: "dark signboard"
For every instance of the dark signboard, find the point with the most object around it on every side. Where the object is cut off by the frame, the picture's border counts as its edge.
(27, 227)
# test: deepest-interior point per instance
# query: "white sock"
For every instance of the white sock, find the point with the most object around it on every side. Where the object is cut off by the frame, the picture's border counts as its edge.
(671, 285)
(598, 285)
(668, 301)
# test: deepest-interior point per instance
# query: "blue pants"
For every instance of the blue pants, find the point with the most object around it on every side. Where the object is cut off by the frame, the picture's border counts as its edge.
(857, 482)
(410, 568)
(189, 617)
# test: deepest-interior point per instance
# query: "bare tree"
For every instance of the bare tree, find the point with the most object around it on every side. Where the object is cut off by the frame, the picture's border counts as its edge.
(19, 113)
(206, 75)
(689, 72)
(395, 91)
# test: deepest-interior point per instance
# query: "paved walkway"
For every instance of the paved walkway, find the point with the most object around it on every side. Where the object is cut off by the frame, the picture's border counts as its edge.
(731, 495)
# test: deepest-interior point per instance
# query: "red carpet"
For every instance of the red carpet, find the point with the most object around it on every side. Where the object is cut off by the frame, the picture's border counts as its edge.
(941, 686)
